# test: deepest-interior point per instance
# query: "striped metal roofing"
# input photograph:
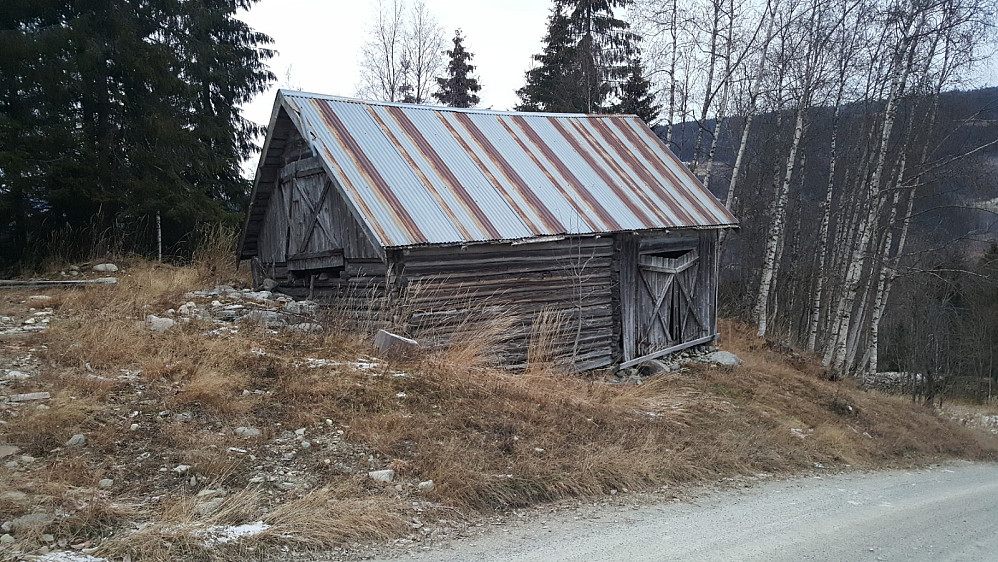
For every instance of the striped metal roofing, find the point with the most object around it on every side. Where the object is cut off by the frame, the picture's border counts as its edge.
(431, 175)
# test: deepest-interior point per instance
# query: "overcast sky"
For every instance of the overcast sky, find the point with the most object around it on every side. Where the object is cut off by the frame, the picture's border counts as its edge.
(320, 41)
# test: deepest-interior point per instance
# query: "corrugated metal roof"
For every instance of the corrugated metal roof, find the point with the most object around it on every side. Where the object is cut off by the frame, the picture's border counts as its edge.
(431, 175)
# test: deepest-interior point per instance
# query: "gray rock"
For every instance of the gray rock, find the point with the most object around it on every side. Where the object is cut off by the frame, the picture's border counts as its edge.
(723, 358)
(426, 486)
(269, 284)
(653, 367)
(628, 372)
(31, 520)
(247, 432)
(8, 450)
(159, 325)
(205, 509)
(305, 327)
(259, 296)
(6, 539)
(48, 538)
(192, 294)
(187, 309)
(387, 475)
(301, 307)
(181, 468)
(77, 440)
(16, 376)
(105, 483)
(105, 268)
(13, 496)
(389, 343)
(226, 314)
(268, 318)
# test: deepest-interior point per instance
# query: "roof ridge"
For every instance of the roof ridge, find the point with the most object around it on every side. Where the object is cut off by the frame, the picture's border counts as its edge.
(471, 110)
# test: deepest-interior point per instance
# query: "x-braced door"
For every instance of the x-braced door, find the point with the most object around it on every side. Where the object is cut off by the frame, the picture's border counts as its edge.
(667, 314)
(308, 198)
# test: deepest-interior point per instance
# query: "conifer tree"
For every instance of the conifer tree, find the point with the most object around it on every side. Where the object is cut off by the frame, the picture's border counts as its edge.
(636, 97)
(114, 110)
(459, 88)
(586, 54)
(548, 86)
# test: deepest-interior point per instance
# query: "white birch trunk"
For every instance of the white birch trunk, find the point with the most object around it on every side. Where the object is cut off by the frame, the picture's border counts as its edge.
(672, 74)
(852, 281)
(826, 215)
(889, 269)
(776, 227)
(708, 98)
(721, 108)
(753, 100)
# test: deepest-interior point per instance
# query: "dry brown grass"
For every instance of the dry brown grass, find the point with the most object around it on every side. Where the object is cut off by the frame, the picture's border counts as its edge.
(546, 330)
(488, 438)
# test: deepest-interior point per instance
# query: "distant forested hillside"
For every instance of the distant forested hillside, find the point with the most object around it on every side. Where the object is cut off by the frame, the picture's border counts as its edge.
(942, 314)
(956, 207)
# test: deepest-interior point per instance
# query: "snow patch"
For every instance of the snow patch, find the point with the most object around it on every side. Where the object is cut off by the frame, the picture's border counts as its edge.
(221, 534)
(69, 556)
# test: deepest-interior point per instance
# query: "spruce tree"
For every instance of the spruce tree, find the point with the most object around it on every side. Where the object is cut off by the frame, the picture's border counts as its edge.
(636, 97)
(459, 88)
(113, 110)
(549, 84)
(586, 54)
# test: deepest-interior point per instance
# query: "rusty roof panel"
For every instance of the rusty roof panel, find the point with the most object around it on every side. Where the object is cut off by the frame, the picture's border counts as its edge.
(429, 175)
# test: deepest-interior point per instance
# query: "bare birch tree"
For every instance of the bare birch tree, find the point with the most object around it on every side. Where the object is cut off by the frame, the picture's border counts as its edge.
(402, 55)
(816, 30)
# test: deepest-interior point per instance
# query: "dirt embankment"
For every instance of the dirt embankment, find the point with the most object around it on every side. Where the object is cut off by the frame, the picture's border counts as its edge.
(211, 438)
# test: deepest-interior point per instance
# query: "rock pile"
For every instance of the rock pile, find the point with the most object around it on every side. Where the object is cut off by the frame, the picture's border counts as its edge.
(228, 307)
(676, 361)
(77, 269)
(36, 320)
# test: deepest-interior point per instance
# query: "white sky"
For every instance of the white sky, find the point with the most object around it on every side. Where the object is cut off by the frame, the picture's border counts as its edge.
(320, 40)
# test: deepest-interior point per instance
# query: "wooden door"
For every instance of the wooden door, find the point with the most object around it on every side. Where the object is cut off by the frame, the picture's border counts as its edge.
(308, 196)
(667, 313)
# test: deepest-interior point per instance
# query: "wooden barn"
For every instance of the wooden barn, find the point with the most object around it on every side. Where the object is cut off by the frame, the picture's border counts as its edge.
(576, 238)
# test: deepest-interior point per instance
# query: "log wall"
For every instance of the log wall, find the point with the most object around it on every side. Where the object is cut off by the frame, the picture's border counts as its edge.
(548, 302)
(571, 303)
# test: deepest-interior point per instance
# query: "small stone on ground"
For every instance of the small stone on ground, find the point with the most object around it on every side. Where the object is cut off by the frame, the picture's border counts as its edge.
(723, 358)
(382, 475)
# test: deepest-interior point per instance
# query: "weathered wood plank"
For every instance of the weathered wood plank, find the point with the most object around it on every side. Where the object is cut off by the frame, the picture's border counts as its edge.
(628, 248)
(35, 284)
(666, 351)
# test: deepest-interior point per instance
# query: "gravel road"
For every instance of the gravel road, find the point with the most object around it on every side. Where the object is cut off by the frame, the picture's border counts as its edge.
(947, 512)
